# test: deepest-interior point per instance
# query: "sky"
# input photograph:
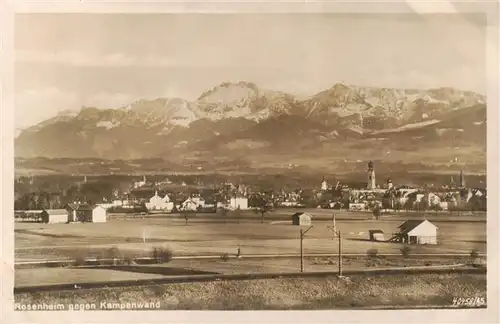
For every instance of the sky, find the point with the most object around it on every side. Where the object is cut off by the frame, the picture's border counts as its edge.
(66, 61)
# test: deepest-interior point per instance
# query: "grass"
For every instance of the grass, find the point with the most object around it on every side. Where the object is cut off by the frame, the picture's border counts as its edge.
(38, 241)
(52, 276)
(222, 265)
(279, 294)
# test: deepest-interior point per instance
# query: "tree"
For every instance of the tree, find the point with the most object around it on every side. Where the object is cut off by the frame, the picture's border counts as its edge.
(397, 205)
(262, 207)
(436, 207)
(186, 215)
(423, 205)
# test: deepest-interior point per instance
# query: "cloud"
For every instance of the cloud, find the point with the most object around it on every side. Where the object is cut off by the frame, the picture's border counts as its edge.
(87, 59)
(36, 105)
(104, 100)
(33, 106)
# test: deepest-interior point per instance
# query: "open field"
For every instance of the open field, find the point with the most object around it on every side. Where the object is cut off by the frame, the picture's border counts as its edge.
(136, 237)
(50, 276)
(358, 291)
(202, 236)
(42, 276)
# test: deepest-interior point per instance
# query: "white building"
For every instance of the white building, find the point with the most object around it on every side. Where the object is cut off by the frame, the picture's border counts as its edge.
(324, 185)
(140, 184)
(241, 202)
(357, 206)
(52, 216)
(418, 232)
(99, 215)
(189, 205)
(160, 203)
(433, 199)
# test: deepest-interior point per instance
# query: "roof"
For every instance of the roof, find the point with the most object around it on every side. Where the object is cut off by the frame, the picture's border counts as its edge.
(409, 225)
(209, 200)
(298, 214)
(376, 231)
(81, 207)
(73, 206)
(142, 193)
(56, 211)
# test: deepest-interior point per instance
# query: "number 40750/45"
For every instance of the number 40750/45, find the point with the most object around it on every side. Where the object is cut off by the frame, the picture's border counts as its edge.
(469, 301)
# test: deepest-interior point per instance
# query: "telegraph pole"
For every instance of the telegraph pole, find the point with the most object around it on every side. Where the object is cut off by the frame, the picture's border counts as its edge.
(337, 233)
(302, 234)
(340, 254)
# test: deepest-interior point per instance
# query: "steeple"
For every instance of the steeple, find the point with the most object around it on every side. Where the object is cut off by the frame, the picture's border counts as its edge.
(324, 185)
(371, 176)
(462, 179)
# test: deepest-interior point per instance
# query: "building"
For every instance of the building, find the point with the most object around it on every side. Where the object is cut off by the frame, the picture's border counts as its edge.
(189, 205)
(140, 184)
(357, 206)
(371, 177)
(86, 213)
(324, 185)
(462, 179)
(106, 205)
(159, 203)
(52, 216)
(376, 235)
(238, 202)
(98, 215)
(418, 232)
(301, 219)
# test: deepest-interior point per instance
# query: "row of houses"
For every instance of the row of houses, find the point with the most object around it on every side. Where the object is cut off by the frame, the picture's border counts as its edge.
(74, 212)
(415, 198)
(162, 201)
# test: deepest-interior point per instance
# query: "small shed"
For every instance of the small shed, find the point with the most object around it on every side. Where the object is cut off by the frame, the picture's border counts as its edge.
(376, 235)
(301, 219)
(87, 213)
(99, 215)
(54, 216)
(418, 232)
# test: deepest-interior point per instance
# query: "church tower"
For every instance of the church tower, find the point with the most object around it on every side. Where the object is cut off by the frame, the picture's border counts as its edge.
(371, 176)
(462, 179)
(324, 185)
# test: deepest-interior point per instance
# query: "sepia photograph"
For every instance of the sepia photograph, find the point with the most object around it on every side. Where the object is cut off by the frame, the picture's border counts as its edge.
(250, 161)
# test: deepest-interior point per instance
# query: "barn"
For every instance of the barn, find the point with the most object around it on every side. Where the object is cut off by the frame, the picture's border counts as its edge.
(418, 232)
(301, 219)
(52, 216)
(98, 214)
(87, 213)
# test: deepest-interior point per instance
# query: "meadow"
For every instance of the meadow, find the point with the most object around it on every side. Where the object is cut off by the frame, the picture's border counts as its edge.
(204, 235)
(209, 235)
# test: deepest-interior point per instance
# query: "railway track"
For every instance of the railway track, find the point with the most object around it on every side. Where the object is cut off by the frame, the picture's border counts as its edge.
(247, 256)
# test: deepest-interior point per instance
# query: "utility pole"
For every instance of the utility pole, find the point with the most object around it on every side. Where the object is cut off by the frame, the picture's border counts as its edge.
(302, 234)
(340, 254)
(339, 235)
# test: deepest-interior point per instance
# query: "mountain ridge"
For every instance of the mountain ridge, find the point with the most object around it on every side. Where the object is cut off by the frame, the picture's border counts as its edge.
(235, 116)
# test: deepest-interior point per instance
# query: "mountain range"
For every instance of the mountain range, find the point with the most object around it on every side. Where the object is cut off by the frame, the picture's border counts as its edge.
(239, 120)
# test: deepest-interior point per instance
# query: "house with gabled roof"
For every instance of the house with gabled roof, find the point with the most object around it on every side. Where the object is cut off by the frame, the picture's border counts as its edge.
(416, 232)
(54, 216)
(86, 213)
